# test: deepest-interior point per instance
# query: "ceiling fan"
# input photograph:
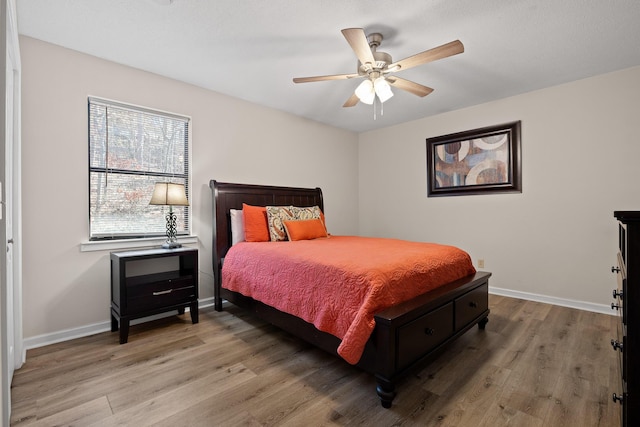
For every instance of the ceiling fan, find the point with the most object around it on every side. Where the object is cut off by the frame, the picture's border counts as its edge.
(376, 67)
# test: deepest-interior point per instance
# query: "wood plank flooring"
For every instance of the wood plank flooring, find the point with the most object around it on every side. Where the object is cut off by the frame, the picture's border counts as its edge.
(534, 365)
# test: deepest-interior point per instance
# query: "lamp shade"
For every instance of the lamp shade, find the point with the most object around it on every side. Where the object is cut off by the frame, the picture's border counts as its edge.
(168, 193)
(368, 89)
(365, 92)
(383, 89)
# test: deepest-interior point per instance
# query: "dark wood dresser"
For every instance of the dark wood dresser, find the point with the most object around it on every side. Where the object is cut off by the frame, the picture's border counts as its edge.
(627, 303)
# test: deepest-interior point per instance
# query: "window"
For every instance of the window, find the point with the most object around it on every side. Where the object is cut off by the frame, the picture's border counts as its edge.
(130, 149)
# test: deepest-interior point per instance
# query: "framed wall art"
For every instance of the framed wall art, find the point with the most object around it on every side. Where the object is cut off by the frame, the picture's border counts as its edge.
(479, 161)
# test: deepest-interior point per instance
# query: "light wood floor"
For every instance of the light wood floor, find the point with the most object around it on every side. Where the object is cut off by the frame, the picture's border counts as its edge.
(534, 365)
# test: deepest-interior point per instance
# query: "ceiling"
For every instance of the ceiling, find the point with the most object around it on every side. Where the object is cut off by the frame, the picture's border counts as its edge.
(251, 49)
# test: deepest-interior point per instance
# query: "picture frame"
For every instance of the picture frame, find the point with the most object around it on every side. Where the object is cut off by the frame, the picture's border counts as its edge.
(478, 161)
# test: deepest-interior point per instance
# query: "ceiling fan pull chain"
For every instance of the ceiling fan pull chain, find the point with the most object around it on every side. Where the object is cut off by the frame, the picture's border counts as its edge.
(375, 101)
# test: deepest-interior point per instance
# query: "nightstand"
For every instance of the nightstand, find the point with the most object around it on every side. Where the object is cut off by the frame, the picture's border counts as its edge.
(152, 281)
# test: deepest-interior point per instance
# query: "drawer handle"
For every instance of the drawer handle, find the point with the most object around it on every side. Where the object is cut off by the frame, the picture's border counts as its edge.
(617, 398)
(168, 291)
(615, 269)
(617, 293)
(616, 345)
(429, 331)
(473, 304)
(614, 306)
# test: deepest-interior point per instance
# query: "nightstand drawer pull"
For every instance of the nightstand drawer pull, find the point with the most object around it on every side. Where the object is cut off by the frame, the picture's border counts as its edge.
(617, 345)
(168, 291)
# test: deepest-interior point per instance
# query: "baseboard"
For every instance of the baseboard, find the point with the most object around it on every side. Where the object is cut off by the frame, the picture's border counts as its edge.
(580, 305)
(96, 328)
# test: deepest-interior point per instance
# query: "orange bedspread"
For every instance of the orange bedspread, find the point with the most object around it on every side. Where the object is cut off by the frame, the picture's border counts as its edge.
(340, 282)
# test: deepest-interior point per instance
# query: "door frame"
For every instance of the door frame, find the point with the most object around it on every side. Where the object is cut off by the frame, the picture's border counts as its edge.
(12, 355)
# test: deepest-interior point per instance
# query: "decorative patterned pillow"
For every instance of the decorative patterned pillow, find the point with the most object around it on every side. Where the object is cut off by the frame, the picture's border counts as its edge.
(276, 215)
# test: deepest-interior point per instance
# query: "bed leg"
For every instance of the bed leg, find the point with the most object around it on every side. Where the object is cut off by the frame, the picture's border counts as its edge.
(217, 298)
(386, 392)
(482, 323)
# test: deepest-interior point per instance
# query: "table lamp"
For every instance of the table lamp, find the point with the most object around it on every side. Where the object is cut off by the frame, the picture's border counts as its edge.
(170, 194)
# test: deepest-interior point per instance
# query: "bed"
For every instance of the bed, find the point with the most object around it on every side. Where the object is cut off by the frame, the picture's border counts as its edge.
(405, 335)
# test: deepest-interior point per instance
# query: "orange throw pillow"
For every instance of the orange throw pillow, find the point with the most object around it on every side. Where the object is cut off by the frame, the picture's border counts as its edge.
(305, 229)
(256, 228)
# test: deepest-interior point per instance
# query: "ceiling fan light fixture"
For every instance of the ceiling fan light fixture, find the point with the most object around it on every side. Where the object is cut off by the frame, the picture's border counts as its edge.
(382, 89)
(365, 92)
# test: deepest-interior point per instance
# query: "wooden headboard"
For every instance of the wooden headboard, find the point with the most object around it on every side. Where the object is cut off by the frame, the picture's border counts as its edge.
(228, 196)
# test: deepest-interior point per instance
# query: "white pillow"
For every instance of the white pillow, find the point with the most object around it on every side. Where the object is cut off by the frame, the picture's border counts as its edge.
(237, 226)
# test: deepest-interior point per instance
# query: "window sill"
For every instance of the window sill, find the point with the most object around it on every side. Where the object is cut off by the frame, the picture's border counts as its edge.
(113, 245)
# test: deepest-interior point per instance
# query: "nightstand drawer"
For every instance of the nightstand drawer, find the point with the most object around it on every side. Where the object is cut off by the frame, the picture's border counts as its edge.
(471, 305)
(163, 296)
(150, 289)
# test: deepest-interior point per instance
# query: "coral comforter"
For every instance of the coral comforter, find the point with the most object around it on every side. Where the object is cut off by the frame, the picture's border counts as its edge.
(338, 283)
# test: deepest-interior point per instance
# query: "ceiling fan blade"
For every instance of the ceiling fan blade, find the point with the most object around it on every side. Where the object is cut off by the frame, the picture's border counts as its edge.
(322, 78)
(352, 101)
(359, 43)
(409, 86)
(444, 51)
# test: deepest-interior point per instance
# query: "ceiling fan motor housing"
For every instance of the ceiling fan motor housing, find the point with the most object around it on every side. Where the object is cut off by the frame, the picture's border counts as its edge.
(382, 59)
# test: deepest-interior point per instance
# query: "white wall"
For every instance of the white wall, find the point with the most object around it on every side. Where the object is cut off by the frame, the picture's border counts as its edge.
(580, 152)
(557, 238)
(232, 141)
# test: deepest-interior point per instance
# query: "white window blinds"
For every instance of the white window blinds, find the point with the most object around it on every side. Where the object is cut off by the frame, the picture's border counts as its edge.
(130, 149)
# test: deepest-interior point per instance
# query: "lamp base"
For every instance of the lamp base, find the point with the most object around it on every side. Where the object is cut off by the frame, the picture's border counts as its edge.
(172, 245)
